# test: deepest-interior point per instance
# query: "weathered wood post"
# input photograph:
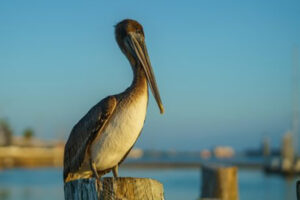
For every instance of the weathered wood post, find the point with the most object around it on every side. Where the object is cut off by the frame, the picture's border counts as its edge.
(114, 189)
(219, 182)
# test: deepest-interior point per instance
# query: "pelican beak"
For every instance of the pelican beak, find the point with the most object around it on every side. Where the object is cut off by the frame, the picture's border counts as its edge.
(137, 45)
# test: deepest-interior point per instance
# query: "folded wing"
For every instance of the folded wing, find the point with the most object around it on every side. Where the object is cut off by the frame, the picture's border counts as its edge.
(84, 132)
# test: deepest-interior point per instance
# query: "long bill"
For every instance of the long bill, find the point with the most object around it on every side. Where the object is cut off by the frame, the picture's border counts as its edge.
(138, 46)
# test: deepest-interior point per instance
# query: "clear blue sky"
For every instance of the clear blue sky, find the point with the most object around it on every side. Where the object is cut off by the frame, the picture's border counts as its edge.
(223, 67)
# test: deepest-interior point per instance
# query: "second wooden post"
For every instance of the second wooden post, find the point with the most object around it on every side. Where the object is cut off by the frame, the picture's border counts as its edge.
(219, 182)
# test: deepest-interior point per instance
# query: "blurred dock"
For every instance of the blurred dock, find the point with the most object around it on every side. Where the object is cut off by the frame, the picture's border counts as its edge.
(35, 157)
(30, 157)
(34, 153)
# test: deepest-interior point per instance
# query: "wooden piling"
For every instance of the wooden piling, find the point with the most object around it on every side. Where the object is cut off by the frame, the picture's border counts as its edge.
(219, 182)
(114, 189)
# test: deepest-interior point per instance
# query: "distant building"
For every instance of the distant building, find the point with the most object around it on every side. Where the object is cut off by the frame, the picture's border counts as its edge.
(136, 153)
(265, 147)
(223, 152)
(205, 153)
(287, 149)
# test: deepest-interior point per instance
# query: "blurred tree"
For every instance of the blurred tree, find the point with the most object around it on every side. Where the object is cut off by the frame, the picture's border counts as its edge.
(28, 133)
(5, 133)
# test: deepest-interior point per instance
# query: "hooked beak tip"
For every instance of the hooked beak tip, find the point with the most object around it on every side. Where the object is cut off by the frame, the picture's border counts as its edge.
(162, 109)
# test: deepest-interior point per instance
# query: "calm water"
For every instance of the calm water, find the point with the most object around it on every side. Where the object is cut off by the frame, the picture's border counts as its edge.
(178, 184)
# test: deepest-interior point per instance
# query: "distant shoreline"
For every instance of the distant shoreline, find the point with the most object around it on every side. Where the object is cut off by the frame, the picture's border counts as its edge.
(30, 157)
(38, 157)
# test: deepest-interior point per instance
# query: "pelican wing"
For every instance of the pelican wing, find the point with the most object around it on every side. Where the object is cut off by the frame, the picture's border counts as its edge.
(84, 132)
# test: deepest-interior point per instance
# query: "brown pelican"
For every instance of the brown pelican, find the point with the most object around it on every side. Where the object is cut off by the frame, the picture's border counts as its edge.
(101, 140)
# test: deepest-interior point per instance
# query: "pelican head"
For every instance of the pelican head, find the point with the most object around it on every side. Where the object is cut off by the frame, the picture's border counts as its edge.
(131, 40)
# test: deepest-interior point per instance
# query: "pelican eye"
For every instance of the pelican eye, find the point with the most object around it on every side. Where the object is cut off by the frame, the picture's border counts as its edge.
(139, 31)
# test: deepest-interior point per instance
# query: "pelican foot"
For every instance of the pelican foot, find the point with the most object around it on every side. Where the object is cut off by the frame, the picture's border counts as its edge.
(115, 171)
(95, 174)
